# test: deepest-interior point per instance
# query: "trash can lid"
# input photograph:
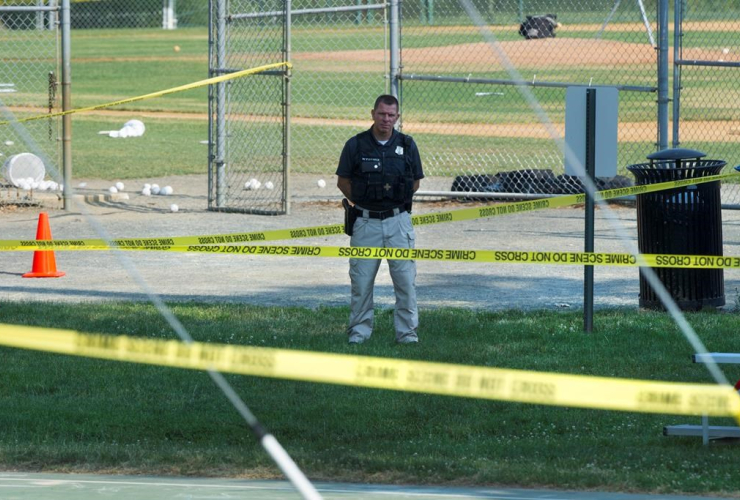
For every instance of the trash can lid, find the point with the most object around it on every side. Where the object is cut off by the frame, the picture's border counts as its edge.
(676, 154)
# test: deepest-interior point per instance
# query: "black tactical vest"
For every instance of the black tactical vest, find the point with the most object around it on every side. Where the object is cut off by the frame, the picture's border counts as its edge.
(382, 174)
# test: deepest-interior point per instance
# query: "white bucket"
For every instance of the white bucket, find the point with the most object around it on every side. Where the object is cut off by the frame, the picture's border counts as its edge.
(19, 168)
(136, 128)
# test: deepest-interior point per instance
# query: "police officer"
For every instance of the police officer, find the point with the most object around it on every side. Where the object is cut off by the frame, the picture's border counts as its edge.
(379, 171)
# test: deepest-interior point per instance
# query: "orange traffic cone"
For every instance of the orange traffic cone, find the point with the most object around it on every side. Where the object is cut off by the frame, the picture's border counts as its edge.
(44, 263)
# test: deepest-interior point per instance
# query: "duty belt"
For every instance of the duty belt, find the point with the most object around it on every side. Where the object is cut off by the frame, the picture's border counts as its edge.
(385, 214)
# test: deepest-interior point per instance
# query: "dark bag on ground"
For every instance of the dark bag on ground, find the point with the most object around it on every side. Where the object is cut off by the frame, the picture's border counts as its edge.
(350, 216)
(539, 26)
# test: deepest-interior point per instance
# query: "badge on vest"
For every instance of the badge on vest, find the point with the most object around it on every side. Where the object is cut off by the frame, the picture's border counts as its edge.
(399, 150)
(370, 165)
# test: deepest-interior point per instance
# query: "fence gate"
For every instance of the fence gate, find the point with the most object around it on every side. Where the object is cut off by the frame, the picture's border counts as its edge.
(248, 125)
(706, 84)
(29, 74)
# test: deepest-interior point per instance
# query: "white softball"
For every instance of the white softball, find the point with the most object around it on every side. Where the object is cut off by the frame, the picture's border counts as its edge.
(119, 186)
(113, 190)
(154, 189)
(167, 190)
(147, 191)
(174, 208)
(321, 183)
(269, 185)
(725, 50)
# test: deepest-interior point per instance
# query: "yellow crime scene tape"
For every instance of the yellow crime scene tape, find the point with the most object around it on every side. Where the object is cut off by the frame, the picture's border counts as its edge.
(457, 255)
(335, 229)
(394, 374)
(189, 86)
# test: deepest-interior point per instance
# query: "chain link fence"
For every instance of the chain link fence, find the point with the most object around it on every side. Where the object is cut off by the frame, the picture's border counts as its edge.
(117, 14)
(331, 93)
(340, 56)
(706, 77)
(247, 133)
(476, 130)
(29, 76)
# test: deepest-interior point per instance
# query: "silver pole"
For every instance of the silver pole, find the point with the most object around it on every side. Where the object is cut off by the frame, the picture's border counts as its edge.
(53, 15)
(677, 56)
(395, 38)
(517, 83)
(66, 105)
(39, 15)
(220, 160)
(169, 21)
(590, 167)
(663, 74)
(287, 34)
(299, 12)
(212, 71)
(25, 8)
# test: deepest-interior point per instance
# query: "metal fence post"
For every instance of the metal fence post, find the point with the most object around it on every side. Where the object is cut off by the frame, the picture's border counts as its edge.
(663, 74)
(66, 103)
(590, 167)
(40, 25)
(169, 18)
(677, 34)
(288, 20)
(220, 160)
(53, 15)
(395, 56)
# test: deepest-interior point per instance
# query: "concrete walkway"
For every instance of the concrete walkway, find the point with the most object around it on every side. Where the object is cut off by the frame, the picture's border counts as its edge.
(23, 486)
(311, 282)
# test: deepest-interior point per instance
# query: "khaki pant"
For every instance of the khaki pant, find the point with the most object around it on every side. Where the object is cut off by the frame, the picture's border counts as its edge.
(394, 232)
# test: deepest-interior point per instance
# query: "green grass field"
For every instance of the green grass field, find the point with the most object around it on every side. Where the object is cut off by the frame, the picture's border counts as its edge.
(74, 414)
(170, 146)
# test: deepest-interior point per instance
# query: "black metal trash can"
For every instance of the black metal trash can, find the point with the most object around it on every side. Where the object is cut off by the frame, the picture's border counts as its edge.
(685, 221)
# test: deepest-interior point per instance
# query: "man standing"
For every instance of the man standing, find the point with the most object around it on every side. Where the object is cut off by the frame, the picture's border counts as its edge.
(379, 171)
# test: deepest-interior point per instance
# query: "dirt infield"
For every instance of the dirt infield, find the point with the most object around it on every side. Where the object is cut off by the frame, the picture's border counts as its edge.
(480, 56)
(523, 54)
